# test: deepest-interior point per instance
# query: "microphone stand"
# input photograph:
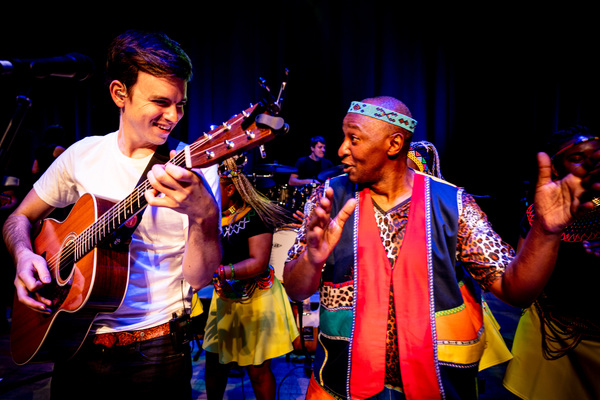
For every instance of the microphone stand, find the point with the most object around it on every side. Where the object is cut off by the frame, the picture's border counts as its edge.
(23, 105)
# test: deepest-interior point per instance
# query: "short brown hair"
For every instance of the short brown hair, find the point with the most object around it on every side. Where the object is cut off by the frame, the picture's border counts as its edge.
(151, 52)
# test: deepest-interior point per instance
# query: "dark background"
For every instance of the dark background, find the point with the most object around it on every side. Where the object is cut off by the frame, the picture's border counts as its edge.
(487, 84)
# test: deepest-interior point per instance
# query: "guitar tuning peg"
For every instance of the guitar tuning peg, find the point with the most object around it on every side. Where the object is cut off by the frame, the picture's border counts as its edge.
(274, 104)
(282, 88)
(263, 84)
(279, 98)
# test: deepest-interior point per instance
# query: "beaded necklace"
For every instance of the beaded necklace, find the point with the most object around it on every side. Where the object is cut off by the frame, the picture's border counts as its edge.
(583, 228)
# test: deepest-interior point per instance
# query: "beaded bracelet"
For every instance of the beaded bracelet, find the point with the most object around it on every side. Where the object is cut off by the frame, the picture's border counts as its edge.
(221, 272)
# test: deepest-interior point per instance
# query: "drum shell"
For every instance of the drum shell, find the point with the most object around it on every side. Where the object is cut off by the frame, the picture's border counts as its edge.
(283, 240)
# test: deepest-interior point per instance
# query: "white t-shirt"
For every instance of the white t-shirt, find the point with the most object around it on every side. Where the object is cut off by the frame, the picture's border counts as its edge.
(156, 287)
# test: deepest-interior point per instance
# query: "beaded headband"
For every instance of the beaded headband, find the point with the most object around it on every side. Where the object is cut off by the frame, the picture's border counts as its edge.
(232, 169)
(228, 173)
(579, 140)
(383, 114)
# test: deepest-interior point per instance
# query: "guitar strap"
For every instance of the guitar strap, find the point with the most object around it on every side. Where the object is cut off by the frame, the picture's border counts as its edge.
(122, 236)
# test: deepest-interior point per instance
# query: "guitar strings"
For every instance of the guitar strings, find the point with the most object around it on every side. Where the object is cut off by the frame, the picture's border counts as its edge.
(98, 231)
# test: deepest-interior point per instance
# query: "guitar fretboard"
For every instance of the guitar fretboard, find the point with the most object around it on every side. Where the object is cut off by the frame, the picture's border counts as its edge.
(116, 217)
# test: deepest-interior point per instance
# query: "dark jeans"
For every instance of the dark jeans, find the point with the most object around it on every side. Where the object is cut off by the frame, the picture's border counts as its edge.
(144, 370)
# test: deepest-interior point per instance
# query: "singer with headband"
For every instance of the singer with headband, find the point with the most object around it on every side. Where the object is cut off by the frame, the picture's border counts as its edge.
(400, 260)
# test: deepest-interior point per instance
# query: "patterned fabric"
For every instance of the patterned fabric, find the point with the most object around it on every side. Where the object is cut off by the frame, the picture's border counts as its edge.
(235, 248)
(419, 160)
(586, 227)
(413, 276)
(240, 290)
(383, 114)
(479, 249)
(126, 338)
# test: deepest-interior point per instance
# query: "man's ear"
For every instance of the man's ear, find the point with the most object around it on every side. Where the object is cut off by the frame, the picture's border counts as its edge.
(396, 142)
(118, 92)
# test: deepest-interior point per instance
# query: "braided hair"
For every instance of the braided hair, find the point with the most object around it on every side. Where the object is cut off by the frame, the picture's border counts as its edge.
(425, 156)
(271, 213)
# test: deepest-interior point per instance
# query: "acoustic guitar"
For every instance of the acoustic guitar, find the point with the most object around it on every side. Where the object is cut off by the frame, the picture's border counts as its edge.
(90, 268)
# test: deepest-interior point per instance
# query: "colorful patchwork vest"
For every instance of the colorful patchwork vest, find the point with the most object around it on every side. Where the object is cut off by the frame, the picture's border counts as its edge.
(437, 305)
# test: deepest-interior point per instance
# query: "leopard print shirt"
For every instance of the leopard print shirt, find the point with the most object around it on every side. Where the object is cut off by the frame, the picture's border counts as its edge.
(483, 253)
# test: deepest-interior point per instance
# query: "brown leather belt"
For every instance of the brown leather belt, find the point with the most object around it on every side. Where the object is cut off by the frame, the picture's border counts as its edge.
(126, 338)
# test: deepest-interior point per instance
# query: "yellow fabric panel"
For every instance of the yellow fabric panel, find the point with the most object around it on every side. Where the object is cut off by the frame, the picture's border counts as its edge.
(496, 352)
(461, 354)
(197, 308)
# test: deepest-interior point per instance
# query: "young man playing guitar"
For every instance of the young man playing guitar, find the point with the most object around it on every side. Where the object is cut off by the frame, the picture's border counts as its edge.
(128, 349)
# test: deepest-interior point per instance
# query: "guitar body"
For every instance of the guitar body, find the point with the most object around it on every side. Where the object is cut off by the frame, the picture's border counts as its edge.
(96, 283)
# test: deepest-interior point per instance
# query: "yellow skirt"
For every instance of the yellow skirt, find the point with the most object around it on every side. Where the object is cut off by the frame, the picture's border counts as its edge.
(495, 352)
(530, 376)
(253, 331)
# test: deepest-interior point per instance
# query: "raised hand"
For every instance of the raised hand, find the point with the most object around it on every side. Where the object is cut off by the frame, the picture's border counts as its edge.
(557, 202)
(324, 232)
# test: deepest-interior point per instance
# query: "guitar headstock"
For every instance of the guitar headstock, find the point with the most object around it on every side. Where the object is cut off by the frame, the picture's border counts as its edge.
(244, 131)
(251, 128)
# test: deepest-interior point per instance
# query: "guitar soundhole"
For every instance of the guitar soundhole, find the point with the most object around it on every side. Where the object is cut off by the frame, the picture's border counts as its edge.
(66, 262)
(59, 288)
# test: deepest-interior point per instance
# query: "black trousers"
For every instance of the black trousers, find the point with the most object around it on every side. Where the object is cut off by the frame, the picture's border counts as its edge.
(152, 369)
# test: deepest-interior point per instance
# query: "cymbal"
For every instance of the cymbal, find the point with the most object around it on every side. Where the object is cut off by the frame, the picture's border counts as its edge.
(276, 168)
(330, 172)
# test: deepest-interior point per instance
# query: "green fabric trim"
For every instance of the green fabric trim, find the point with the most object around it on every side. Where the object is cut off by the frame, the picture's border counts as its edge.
(336, 322)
